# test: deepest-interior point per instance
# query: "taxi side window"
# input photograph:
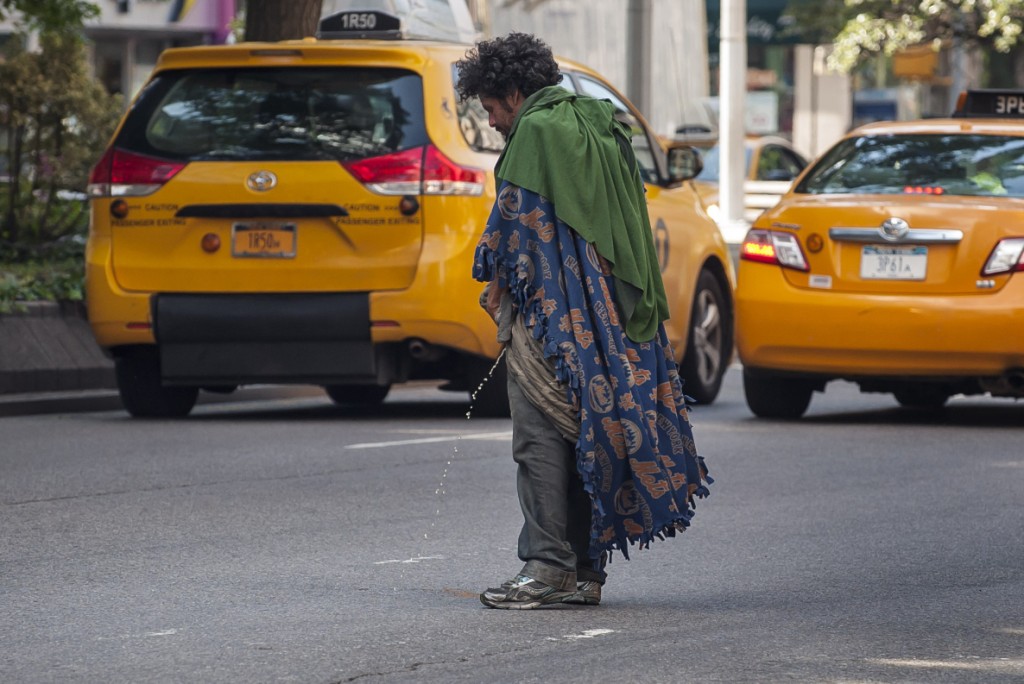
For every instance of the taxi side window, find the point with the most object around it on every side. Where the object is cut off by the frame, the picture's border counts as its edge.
(473, 120)
(641, 143)
(776, 163)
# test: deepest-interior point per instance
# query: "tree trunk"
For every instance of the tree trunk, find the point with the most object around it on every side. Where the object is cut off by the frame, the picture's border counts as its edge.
(270, 20)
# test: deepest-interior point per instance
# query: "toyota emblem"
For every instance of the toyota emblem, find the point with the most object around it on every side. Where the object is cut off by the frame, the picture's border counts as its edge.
(261, 181)
(894, 229)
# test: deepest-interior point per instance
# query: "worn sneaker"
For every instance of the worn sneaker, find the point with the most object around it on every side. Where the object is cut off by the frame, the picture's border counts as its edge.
(586, 594)
(523, 593)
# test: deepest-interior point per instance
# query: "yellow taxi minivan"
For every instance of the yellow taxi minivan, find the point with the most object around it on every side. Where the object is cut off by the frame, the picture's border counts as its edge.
(306, 212)
(895, 262)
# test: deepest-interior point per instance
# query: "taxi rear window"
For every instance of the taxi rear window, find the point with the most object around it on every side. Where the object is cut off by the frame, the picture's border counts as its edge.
(277, 114)
(937, 164)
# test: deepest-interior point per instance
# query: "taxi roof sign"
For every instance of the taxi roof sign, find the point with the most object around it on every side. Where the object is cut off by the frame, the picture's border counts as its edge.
(445, 20)
(990, 104)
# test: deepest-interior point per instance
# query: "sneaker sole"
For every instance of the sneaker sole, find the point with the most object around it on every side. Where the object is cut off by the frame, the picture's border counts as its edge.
(582, 601)
(551, 600)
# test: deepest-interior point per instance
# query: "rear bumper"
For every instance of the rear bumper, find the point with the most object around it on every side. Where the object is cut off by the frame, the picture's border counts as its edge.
(252, 338)
(440, 310)
(837, 335)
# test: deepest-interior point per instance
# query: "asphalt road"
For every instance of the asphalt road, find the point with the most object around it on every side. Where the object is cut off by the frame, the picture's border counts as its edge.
(291, 541)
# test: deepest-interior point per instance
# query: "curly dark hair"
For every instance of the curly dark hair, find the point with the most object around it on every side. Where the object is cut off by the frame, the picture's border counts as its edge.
(496, 68)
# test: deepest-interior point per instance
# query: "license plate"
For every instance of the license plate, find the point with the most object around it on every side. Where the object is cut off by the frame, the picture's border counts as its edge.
(270, 240)
(893, 263)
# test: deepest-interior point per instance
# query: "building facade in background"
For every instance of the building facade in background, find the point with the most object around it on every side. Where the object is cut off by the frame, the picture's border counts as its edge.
(128, 35)
(597, 33)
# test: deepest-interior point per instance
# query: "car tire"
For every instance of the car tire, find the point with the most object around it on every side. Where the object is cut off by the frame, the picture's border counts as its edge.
(357, 395)
(773, 396)
(708, 342)
(142, 392)
(922, 397)
(488, 394)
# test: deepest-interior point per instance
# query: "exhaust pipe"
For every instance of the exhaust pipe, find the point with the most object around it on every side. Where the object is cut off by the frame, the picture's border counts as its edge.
(422, 351)
(1009, 384)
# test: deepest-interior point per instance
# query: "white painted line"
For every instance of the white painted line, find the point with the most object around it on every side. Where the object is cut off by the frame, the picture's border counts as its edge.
(587, 634)
(970, 663)
(417, 559)
(166, 632)
(429, 440)
(590, 634)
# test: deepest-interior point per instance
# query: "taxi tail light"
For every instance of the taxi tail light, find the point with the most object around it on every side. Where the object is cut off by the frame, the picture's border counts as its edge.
(442, 176)
(1007, 257)
(773, 247)
(119, 173)
(421, 170)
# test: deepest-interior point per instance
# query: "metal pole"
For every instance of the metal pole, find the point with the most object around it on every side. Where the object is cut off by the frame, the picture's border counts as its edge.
(731, 118)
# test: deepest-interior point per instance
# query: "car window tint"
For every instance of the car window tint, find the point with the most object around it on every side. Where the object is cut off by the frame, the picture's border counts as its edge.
(983, 165)
(277, 113)
(777, 163)
(793, 161)
(641, 142)
(473, 121)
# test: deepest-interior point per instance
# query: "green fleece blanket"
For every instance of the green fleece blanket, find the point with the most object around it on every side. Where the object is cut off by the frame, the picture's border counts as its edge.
(571, 150)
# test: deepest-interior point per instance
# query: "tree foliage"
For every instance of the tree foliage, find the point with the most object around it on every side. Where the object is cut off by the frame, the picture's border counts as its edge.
(864, 28)
(50, 15)
(56, 119)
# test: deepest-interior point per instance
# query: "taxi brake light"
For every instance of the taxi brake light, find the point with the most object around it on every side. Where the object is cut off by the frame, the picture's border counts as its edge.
(126, 174)
(923, 190)
(1007, 257)
(773, 247)
(442, 176)
(419, 170)
(757, 246)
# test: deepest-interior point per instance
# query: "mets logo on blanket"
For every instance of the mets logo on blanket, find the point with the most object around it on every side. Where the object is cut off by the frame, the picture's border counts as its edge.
(510, 200)
(601, 399)
(628, 502)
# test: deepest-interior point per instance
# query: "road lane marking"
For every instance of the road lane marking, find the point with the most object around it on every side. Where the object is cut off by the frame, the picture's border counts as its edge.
(166, 632)
(416, 559)
(507, 435)
(586, 634)
(1013, 665)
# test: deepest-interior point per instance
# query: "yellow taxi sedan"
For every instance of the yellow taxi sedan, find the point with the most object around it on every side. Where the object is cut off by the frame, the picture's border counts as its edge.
(895, 263)
(306, 212)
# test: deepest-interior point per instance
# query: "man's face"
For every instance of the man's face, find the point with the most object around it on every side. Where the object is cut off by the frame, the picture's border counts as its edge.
(502, 111)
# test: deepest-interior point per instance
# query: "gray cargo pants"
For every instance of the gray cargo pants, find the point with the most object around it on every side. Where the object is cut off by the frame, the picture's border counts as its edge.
(555, 538)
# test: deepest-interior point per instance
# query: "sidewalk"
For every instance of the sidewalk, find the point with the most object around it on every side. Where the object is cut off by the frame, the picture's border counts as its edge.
(50, 348)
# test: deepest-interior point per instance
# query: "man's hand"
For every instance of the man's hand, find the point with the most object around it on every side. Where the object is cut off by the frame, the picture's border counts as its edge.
(493, 301)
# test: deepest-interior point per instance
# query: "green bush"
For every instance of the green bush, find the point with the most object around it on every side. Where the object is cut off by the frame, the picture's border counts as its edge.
(55, 121)
(37, 281)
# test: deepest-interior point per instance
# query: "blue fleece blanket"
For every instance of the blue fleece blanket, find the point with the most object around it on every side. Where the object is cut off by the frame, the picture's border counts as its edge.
(635, 453)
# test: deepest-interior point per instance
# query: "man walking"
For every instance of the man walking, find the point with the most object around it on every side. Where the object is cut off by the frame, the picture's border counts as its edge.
(601, 434)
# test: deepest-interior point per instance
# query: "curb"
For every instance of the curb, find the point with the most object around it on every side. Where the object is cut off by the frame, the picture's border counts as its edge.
(49, 347)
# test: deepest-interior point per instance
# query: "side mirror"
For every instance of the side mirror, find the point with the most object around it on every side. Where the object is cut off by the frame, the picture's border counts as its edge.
(684, 163)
